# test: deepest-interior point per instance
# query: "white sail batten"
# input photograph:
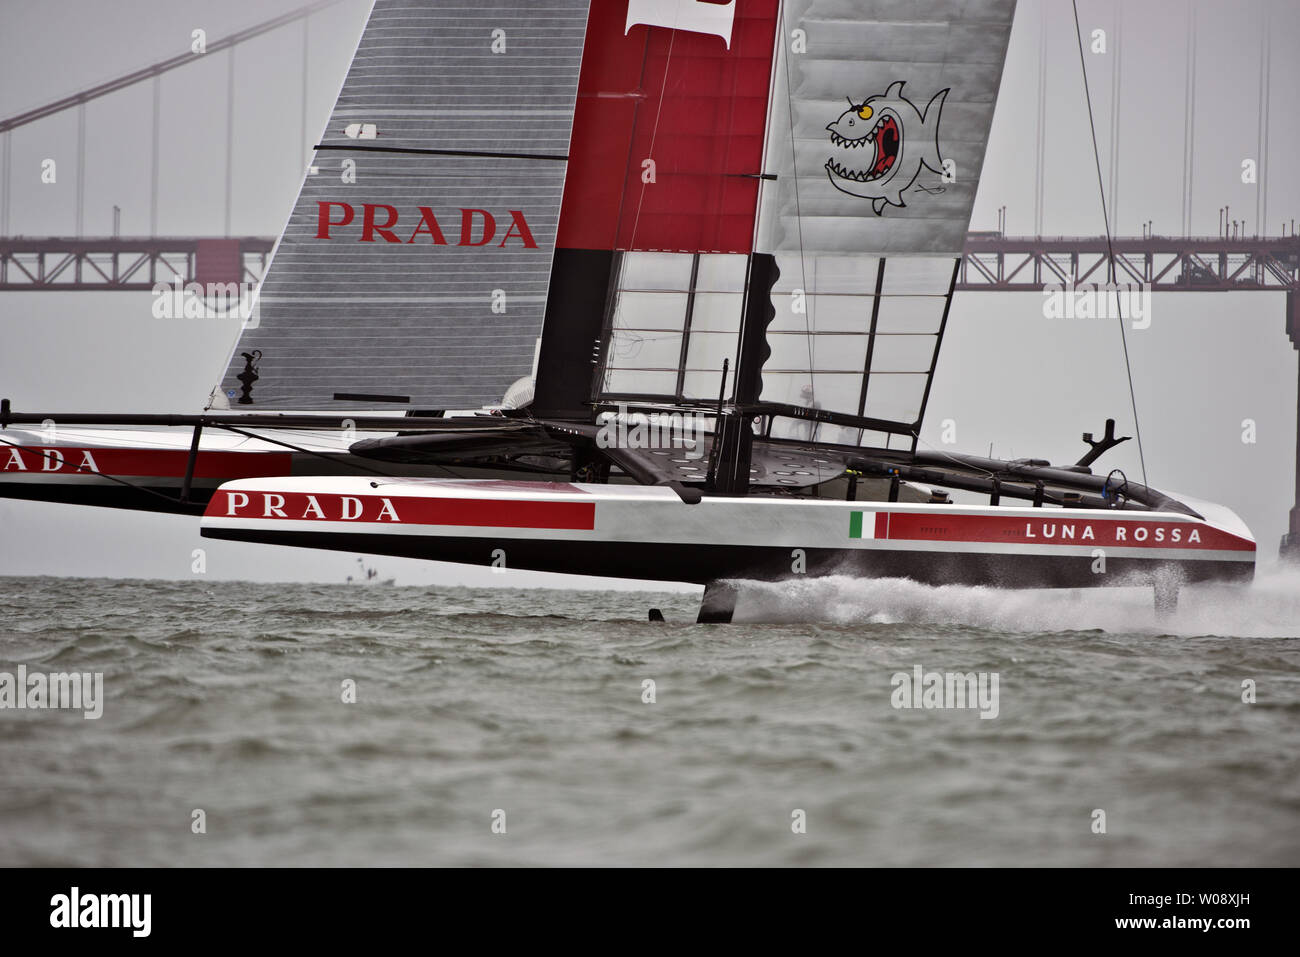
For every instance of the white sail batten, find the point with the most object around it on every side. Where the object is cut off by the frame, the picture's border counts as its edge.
(416, 262)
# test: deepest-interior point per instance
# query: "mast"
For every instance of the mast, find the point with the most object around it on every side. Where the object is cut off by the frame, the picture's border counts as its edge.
(735, 432)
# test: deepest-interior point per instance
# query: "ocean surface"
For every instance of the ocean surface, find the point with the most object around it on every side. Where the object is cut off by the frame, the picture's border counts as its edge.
(526, 711)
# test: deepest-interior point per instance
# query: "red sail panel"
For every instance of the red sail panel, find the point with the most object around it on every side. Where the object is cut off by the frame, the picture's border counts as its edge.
(690, 103)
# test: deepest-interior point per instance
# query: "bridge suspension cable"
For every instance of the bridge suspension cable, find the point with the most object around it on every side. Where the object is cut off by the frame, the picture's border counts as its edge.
(1261, 172)
(151, 73)
(157, 69)
(1189, 120)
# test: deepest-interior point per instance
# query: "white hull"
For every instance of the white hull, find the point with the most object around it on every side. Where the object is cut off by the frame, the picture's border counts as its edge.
(649, 533)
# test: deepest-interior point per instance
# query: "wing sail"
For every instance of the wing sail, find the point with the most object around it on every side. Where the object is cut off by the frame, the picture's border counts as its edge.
(415, 265)
(876, 118)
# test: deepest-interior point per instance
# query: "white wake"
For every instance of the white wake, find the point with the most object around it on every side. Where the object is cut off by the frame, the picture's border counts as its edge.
(1268, 607)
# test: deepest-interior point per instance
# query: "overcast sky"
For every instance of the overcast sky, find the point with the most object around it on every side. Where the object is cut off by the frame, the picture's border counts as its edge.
(1007, 375)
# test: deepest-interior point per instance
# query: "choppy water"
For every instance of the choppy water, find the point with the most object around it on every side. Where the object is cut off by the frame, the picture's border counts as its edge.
(227, 697)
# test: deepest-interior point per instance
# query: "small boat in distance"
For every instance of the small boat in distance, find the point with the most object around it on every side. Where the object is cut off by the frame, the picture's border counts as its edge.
(367, 575)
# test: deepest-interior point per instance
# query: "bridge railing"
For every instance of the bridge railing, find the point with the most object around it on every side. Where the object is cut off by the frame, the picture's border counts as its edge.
(124, 264)
(994, 262)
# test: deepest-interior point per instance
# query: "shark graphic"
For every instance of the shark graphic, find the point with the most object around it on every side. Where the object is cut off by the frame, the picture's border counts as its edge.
(893, 140)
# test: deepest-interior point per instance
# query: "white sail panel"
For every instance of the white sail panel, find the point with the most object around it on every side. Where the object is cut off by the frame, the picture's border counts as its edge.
(676, 317)
(856, 335)
(879, 121)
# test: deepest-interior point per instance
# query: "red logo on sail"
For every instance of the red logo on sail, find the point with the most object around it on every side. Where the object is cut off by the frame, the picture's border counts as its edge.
(381, 222)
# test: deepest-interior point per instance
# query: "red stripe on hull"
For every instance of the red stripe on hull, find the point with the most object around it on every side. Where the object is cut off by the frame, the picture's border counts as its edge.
(1114, 533)
(152, 463)
(403, 510)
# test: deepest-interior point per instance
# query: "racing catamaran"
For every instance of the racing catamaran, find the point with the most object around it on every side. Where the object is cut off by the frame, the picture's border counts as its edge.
(650, 289)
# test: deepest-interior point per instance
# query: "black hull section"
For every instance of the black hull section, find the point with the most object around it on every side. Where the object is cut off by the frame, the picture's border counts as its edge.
(142, 498)
(702, 563)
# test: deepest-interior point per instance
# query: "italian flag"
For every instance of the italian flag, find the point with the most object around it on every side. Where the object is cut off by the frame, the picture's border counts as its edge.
(868, 524)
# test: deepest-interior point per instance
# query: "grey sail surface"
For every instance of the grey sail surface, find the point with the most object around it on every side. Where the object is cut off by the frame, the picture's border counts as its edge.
(934, 69)
(880, 121)
(416, 261)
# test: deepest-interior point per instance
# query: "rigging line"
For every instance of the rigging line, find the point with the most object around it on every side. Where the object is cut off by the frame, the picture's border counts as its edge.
(954, 459)
(654, 131)
(605, 344)
(603, 373)
(85, 470)
(332, 459)
(798, 213)
(1110, 247)
(1116, 105)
